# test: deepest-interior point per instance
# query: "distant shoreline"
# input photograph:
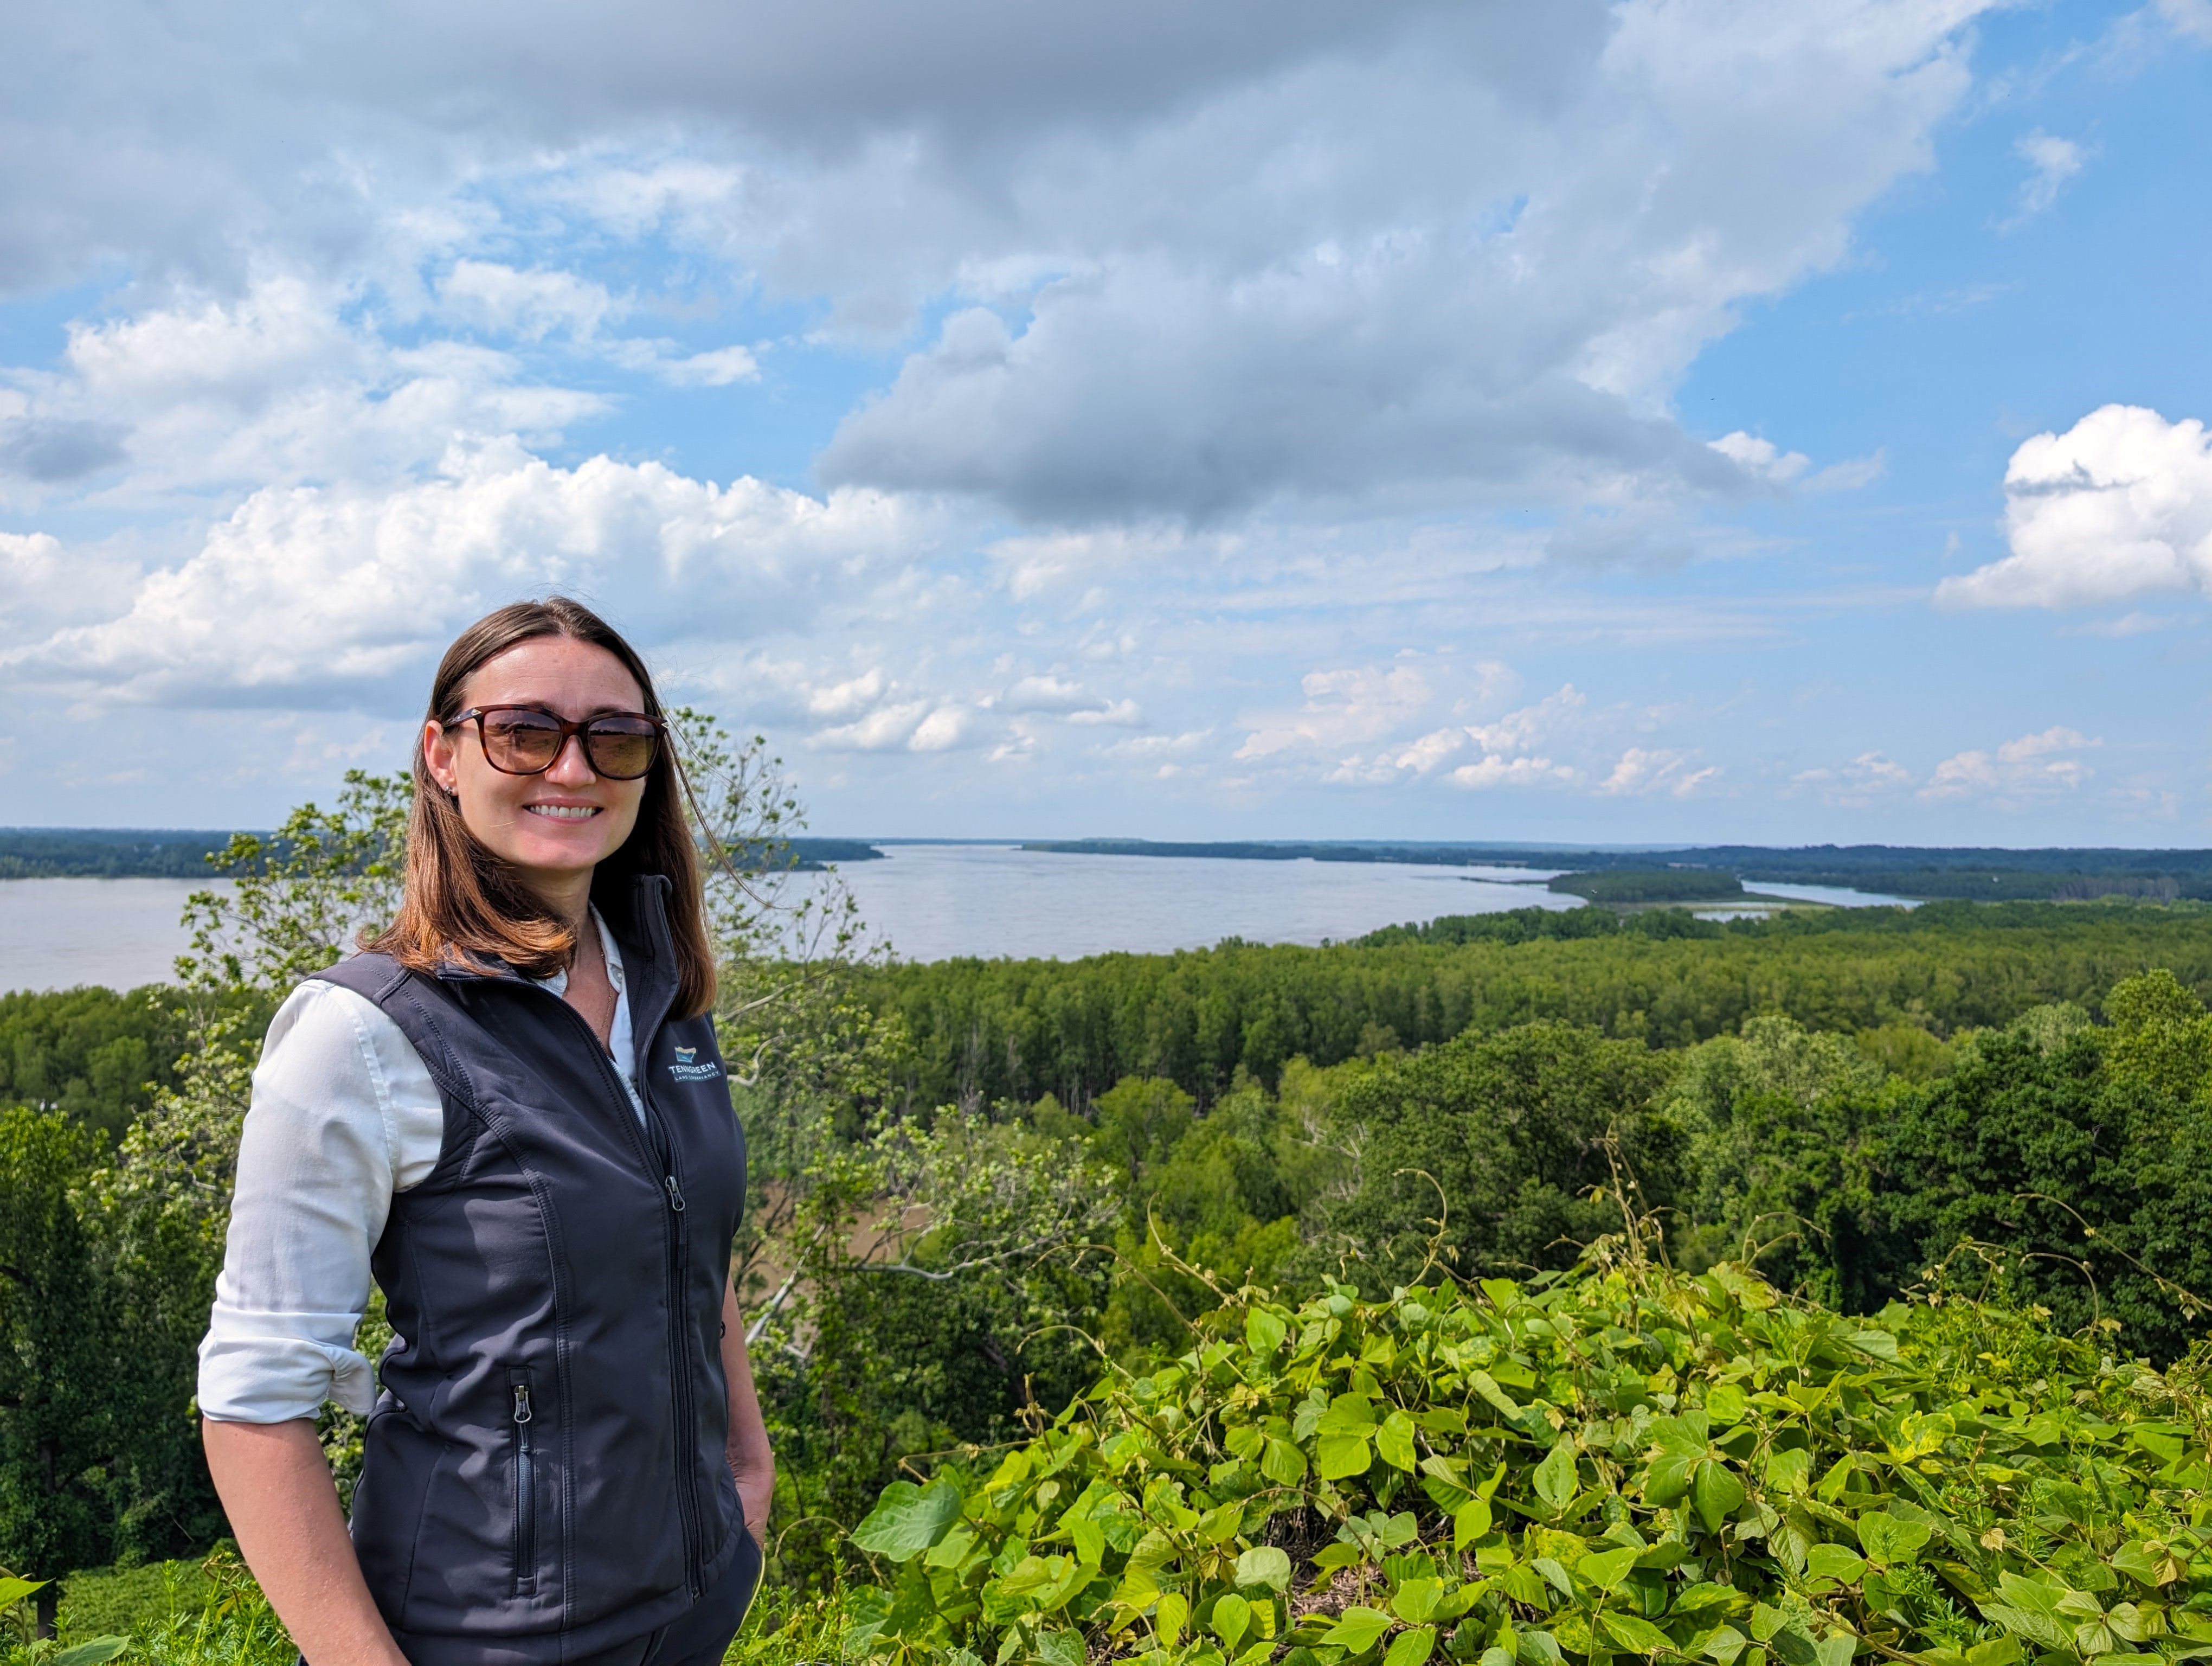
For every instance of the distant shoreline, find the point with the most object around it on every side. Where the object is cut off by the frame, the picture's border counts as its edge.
(1924, 873)
(104, 853)
(2058, 873)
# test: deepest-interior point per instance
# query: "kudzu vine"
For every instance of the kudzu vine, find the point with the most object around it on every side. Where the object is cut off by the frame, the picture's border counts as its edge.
(1622, 1461)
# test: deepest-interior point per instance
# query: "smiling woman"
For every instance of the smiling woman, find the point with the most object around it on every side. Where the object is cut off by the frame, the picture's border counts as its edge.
(510, 1114)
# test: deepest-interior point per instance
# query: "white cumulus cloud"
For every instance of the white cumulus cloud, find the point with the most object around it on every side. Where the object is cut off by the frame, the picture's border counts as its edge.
(1641, 770)
(2032, 766)
(306, 594)
(2117, 507)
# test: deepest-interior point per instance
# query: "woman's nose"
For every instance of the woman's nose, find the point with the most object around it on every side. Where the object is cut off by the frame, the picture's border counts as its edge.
(572, 768)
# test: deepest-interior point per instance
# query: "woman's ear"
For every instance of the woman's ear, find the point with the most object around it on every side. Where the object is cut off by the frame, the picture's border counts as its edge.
(438, 756)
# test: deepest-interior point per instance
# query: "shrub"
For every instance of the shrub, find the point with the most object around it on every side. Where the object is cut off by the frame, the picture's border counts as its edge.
(1617, 1461)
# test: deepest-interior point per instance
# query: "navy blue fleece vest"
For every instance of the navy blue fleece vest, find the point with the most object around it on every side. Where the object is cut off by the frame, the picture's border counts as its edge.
(544, 1475)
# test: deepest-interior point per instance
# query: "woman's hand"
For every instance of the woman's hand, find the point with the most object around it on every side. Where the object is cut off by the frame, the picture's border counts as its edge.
(752, 1465)
(276, 1489)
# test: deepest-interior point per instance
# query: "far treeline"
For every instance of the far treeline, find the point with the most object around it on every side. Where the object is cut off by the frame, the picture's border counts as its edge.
(1986, 875)
(982, 1031)
(109, 853)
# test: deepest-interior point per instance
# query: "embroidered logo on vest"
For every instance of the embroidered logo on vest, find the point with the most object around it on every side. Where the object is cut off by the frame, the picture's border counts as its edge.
(688, 1070)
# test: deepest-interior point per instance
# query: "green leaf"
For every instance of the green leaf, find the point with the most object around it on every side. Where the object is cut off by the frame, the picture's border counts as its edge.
(1395, 1440)
(1347, 1414)
(2038, 1628)
(1555, 1575)
(94, 1652)
(1705, 1597)
(866, 1610)
(1724, 1404)
(1032, 1574)
(1481, 1383)
(951, 1550)
(1416, 1600)
(1837, 1649)
(908, 1519)
(1677, 1447)
(1723, 1645)
(1889, 1540)
(13, 1590)
(1264, 1332)
(1281, 1462)
(1637, 1636)
(1090, 1541)
(1541, 1649)
(1716, 1492)
(1338, 1457)
(1264, 1565)
(1788, 1470)
(1834, 1562)
(1606, 1569)
(1357, 1629)
(2142, 1562)
(1555, 1476)
(1231, 1617)
(1469, 1523)
(1169, 1618)
(1411, 1648)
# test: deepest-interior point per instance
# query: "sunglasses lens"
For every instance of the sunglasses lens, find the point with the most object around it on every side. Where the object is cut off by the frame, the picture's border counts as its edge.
(521, 743)
(622, 748)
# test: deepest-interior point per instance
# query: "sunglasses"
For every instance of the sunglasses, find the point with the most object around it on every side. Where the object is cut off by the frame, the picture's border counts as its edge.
(521, 740)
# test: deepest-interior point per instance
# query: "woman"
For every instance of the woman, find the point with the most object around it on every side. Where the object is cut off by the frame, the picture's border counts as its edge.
(511, 1112)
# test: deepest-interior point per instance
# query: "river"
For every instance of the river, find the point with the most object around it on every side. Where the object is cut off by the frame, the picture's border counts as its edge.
(932, 901)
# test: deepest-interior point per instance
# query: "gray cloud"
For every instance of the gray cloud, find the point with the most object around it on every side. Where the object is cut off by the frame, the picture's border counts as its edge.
(1190, 260)
(206, 136)
(51, 451)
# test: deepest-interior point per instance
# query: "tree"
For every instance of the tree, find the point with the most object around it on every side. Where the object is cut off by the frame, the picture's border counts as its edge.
(58, 1348)
(1487, 1148)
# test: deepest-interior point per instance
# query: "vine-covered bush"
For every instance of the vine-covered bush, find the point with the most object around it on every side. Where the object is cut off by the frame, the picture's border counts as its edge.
(1620, 1461)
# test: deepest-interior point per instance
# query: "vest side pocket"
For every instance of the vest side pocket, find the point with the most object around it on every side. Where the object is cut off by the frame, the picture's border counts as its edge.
(522, 1448)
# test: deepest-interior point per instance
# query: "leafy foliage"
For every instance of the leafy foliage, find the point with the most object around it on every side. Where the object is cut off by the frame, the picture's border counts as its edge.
(1618, 1461)
(1486, 1151)
(89, 1054)
(58, 1440)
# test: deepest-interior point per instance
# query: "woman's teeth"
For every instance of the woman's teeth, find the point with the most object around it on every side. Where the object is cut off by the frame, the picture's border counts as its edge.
(564, 812)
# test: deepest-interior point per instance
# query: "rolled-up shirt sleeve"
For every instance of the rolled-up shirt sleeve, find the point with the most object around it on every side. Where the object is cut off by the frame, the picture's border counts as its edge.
(342, 1115)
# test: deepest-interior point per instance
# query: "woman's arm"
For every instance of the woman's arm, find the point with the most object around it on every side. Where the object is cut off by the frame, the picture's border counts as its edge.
(275, 1487)
(343, 1114)
(752, 1465)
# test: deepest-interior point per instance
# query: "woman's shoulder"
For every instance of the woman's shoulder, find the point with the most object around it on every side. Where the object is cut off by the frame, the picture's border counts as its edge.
(326, 1031)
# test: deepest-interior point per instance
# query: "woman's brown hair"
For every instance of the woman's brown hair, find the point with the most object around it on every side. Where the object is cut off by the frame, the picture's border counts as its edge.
(461, 900)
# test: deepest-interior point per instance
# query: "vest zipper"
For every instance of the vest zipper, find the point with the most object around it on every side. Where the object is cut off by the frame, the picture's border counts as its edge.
(676, 1257)
(526, 1489)
(679, 1350)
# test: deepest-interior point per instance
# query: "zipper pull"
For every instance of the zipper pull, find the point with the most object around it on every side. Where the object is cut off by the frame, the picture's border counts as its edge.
(522, 1403)
(675, 1197)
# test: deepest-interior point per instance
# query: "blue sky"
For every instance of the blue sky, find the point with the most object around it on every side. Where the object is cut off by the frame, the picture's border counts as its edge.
(1664, 419)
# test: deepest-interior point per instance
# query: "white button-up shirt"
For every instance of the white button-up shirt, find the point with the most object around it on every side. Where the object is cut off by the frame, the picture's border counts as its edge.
(344, 1117)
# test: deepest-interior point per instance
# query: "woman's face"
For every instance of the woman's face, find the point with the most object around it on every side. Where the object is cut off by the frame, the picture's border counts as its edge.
(556, 827)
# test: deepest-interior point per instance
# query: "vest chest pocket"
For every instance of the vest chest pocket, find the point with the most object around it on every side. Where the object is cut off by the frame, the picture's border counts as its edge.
(523, 1453)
